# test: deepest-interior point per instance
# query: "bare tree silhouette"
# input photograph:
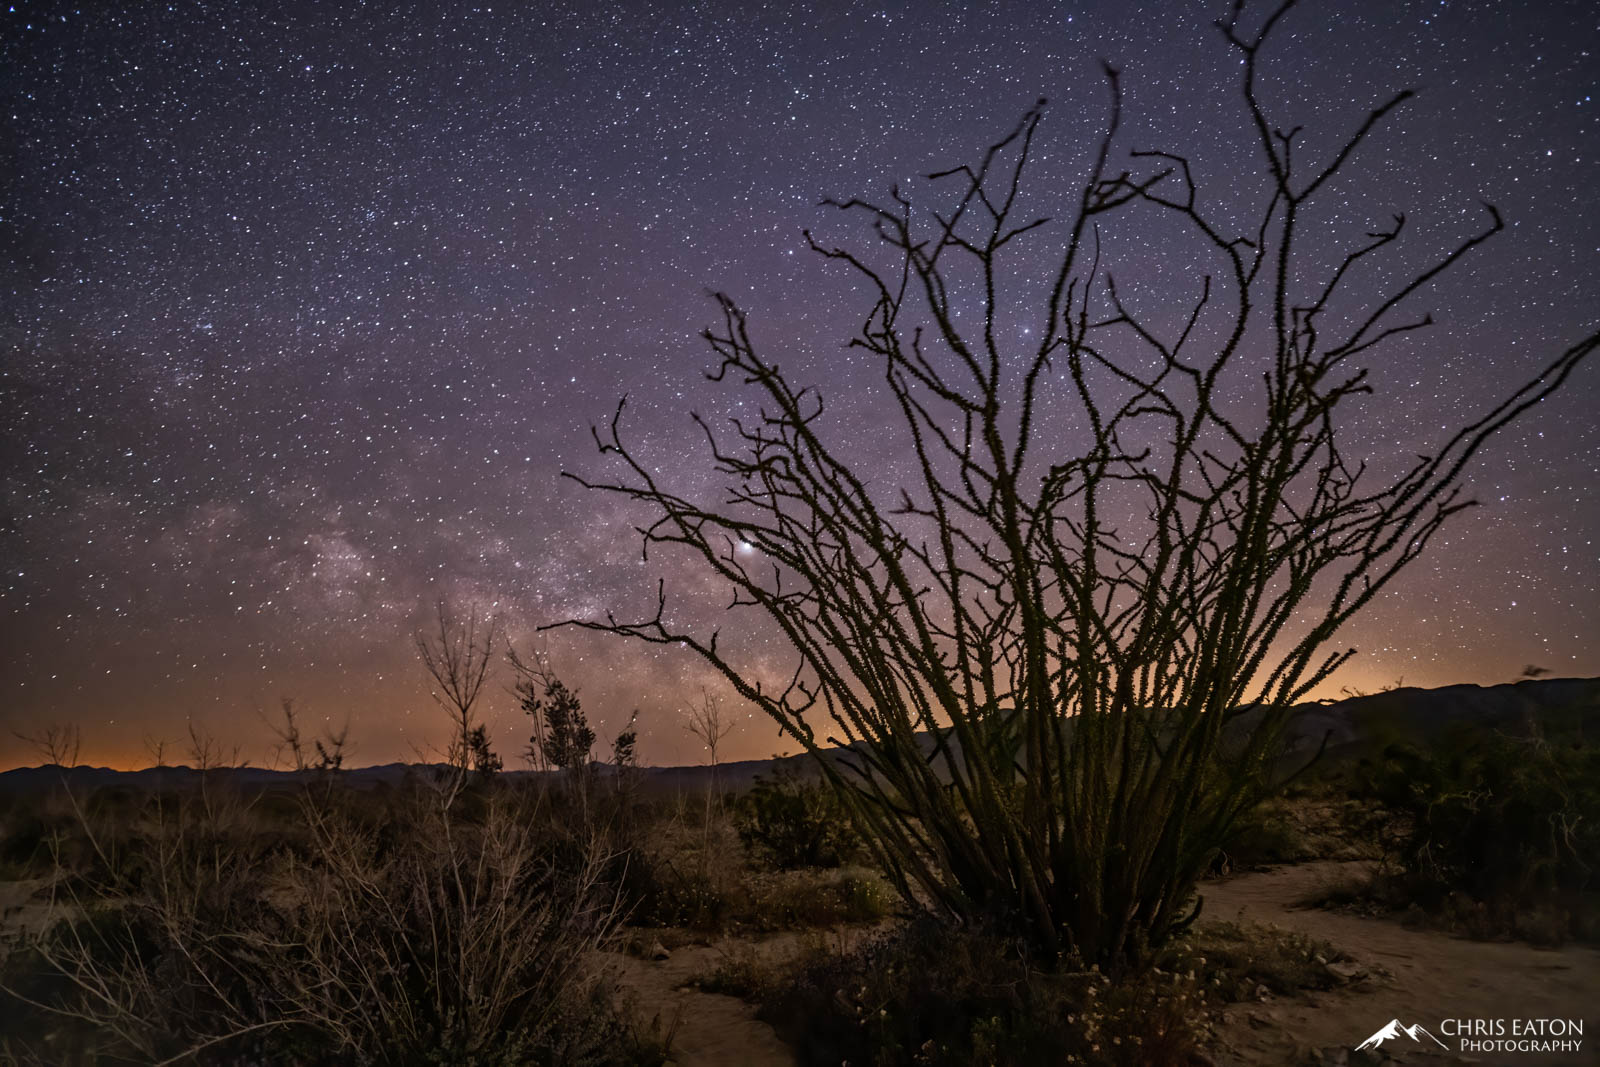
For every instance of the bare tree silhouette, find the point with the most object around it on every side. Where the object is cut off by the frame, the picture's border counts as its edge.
(458, 653)
(1034, 650)
(706, 723)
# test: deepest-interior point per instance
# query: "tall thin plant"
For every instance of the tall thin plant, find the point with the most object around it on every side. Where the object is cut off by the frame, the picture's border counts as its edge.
(1120, 527)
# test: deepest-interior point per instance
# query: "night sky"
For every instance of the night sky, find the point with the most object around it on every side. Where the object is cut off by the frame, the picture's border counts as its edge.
(305, 307)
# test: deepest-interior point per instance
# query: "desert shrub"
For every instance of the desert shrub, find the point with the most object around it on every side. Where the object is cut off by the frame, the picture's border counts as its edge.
(927, 995)
(923, 994)
(1236, 961)
(424, 930)
(485, 936)
(866, 899)
(794, 822)
(1033, 641)
(1320, 817)
(792, 900)
(682, 868)
(775, 865)
(672, 890)
(663, 892)
(24, 844)
(1494, 832)
(1263, 836)
(742, 973)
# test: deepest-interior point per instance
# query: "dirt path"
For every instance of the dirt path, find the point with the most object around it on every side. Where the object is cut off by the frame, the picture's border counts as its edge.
(1421, 976)
(1415, 976)
(713, 1030)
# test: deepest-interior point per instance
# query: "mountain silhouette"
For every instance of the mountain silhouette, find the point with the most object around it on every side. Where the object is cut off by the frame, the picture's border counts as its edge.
(1350, 729)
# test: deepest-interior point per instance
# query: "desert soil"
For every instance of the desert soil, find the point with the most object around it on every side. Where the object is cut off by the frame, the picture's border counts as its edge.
(706, 1028)
(1410, 974)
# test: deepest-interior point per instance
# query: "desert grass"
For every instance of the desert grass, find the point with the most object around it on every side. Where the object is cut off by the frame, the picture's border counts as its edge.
(451, 921)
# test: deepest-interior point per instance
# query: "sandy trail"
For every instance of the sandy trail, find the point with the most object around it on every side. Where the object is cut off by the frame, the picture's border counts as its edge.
(1426, 976)
(713, 1030)
(1415, 976)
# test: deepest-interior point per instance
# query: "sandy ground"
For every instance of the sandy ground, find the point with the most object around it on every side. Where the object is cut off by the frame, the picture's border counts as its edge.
(1407, 974)
(711, 1029)
(1417, 976)
(1411, 975)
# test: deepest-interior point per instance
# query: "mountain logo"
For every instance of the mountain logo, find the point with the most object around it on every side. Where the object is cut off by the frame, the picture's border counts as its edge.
(1391, 1031)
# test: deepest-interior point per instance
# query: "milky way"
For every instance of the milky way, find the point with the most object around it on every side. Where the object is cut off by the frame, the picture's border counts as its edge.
(306, 306)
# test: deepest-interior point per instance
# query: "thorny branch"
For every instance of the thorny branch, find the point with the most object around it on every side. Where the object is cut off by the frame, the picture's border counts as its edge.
(1034, 653)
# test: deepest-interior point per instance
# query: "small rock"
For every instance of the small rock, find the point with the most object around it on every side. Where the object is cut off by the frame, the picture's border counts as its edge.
(658, 951)
(1345, 970)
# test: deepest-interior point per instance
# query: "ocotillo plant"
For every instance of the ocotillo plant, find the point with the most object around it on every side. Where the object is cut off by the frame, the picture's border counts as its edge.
(1118, 524)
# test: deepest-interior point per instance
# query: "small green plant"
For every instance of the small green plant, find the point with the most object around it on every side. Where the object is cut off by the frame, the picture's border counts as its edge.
(1494, 833)
(925, 994)
(1261, 837)
(1237, 961)
(812, 897)
(562, 736)
(793, 822)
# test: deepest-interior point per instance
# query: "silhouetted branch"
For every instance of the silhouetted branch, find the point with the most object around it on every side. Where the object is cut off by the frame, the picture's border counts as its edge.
(1034, 645)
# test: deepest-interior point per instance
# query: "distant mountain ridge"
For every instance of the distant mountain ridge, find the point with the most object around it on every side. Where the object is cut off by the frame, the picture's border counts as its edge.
(740, 774)
(1348, 725)
(1352, 725)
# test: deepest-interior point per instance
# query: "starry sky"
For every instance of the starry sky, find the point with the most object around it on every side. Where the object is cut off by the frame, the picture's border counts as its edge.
(304, 307)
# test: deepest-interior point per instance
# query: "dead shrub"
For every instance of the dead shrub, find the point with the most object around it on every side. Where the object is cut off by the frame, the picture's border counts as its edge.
(441, 926)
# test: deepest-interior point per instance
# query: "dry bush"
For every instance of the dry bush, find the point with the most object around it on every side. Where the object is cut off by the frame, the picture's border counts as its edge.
(1314, 820)
(744, 973)
(694, 866)
(473, 938)
(687, 867)
(442, 923)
